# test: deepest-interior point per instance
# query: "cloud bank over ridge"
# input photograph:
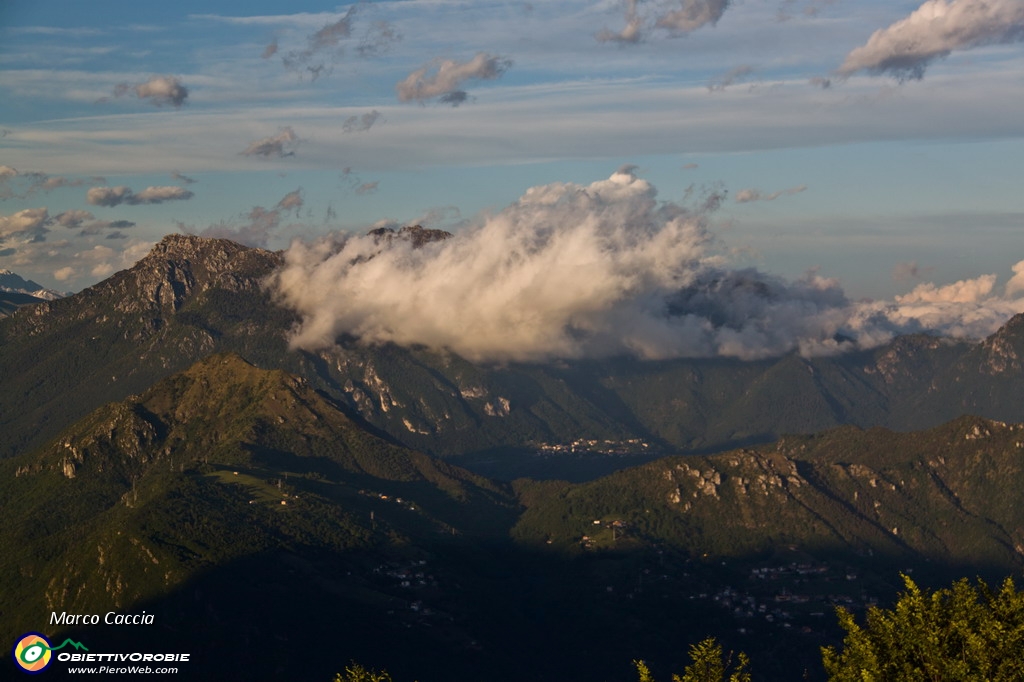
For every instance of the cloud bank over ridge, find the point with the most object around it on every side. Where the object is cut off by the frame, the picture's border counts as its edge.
(573, 271)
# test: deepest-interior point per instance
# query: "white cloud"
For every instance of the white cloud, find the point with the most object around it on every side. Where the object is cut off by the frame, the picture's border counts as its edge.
(750, 194)
(114, 196)
(102, 270)
(630, 33)
(158, 195)
(964, 291)
(281, 145)
(598, 270)
(934, 30)
(1016, 283)
(160, 90)
(64, 274)
(693, 14)
(359, 124)
(29, 225)
(72, 219)
(107, 196)
(443, 78)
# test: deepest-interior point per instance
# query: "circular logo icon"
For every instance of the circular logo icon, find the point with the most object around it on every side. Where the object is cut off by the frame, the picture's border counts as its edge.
(32, 653)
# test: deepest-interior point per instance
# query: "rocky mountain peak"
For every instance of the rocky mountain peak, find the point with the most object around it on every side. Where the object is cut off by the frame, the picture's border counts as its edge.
(182, 265)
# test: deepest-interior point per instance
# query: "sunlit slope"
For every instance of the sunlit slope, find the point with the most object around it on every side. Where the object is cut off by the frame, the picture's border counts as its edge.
(950, 495)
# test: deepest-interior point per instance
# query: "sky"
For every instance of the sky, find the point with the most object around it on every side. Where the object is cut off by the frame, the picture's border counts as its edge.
(876, 144)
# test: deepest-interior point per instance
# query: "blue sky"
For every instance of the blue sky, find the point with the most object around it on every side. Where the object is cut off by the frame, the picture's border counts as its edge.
(905, 169)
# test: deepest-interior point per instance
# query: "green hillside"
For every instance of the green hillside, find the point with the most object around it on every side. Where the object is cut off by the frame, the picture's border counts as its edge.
(248, 511)
(948, 495)
(225, 465)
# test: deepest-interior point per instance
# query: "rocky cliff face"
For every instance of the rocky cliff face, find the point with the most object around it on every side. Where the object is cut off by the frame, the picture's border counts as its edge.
(1003, 352)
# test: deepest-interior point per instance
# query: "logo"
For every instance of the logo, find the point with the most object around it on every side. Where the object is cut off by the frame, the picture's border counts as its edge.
(33, 653)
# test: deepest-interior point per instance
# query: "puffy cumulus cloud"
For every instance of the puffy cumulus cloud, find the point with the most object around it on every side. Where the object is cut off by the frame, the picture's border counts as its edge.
(102, 261)
(72, 219)
(114, 196)
(64, 274)
(693, 14)
(745, 196)
(27, 225)
(159, 90)
(359, 124)
(571, 271)
(102, 270)
(1016, 283)
(7, 172)
(443, 78)
(967, 309)
(934, 30)
(107, 196)
(281, 145)
(964, 291)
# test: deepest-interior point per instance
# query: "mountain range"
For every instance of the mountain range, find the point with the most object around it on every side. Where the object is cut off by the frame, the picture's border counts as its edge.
(16, 291)
(191, 297)
(164, 450)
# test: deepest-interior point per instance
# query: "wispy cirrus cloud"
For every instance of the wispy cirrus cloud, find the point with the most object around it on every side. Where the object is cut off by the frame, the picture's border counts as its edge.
(745, 196)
